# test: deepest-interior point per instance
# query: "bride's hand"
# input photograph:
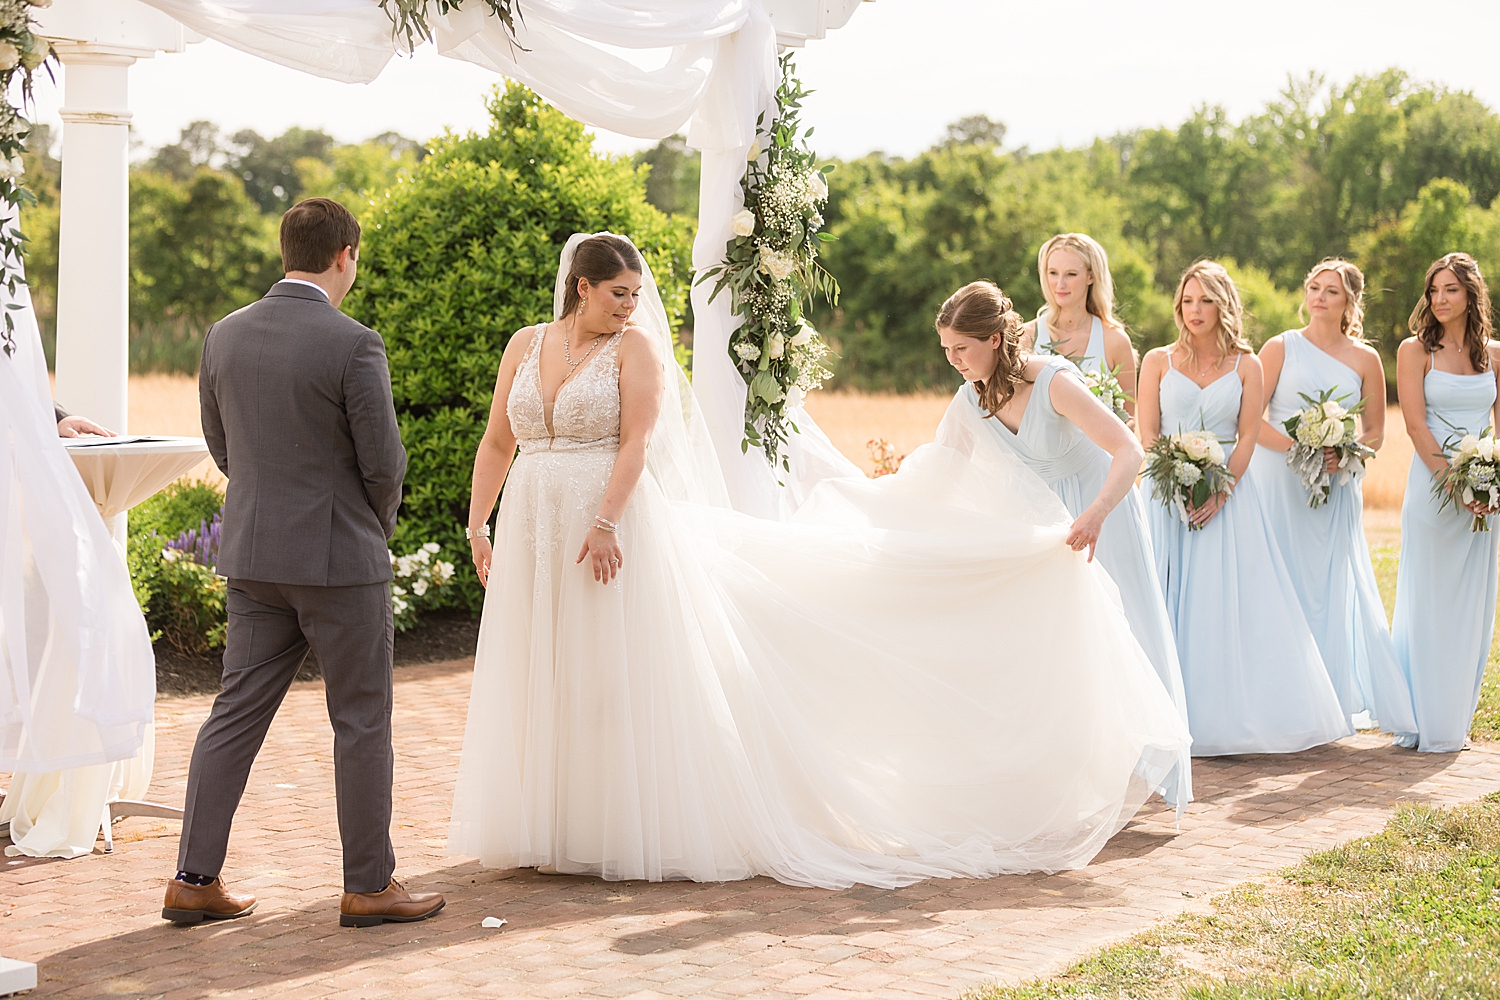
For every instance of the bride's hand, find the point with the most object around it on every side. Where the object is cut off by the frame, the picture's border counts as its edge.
(603, 549)
(483, 555)
(1085, 530)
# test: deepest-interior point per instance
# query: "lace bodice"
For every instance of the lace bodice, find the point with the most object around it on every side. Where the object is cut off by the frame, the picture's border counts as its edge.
(586, 412)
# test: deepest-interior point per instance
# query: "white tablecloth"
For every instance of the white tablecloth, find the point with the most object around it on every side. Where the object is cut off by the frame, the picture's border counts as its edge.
(119, 476)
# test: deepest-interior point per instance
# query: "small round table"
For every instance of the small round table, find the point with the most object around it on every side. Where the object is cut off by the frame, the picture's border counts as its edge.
(121, 472)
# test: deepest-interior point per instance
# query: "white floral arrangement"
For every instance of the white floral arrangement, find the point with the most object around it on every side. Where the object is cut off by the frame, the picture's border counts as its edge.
(770, 268)
(22, 53)
(1186, 470)
(1472, 476)
(1104, 384)
(1325, 423)
(417, 578)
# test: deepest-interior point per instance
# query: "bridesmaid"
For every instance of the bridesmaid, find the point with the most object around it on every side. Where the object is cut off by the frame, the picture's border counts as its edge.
(1325, 549)
(1079, 321)
(1250, 667)
(1082, 451)
(1445, 587)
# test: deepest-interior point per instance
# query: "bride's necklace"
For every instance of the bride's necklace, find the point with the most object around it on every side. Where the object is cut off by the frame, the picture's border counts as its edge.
(568, 354)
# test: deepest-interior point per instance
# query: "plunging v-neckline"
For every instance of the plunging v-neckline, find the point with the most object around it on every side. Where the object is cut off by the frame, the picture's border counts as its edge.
(1204, 388)
(541, 387)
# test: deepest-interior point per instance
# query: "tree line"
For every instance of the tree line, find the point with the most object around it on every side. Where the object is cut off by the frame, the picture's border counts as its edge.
(204, 215)
(1385, 170)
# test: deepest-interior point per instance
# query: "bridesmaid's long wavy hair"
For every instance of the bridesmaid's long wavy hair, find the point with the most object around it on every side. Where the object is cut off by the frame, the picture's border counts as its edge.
(598, 258)
(1219, 287)
(1352, 323)
(981, 310)
(1100, 300)
(1479, 326)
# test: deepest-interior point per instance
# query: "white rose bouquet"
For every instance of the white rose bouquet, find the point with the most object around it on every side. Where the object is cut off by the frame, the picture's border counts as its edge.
(1472, 476)
(1186, 470)
(1105, 384)
(1325, 423)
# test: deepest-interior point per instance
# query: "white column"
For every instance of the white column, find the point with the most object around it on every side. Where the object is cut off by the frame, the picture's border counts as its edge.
(93, 267)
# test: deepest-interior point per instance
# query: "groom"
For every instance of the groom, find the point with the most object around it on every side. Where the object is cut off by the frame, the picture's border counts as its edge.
(296, 402)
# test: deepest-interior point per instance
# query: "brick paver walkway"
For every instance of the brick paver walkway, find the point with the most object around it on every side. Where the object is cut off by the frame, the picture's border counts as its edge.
(92, 924)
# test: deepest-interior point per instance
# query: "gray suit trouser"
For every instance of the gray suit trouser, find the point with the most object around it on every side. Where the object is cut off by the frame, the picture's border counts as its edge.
(271, 626)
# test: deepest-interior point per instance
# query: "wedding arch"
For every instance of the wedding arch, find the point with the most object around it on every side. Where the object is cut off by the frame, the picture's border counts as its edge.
(713, 72)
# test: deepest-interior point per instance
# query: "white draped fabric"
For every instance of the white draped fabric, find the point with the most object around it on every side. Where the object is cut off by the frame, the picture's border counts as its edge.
(713, 71)
(77, 675)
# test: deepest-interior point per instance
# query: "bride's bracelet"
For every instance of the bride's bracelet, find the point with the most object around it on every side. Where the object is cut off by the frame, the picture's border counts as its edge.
(483, 531)
(605, 524)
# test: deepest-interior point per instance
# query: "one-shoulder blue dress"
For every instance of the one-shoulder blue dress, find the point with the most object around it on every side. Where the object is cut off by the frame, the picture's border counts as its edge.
(1075, 468)
(1326, 552)
(1445, 585)
(1250, 667)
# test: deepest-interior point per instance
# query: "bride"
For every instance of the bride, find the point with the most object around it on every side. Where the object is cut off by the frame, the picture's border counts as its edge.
(915, 677)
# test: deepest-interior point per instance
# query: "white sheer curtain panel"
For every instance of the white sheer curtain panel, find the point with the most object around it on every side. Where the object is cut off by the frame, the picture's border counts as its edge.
(714, 73)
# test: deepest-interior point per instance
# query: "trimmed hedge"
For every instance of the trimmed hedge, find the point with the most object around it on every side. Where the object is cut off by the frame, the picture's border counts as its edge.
(462, 254)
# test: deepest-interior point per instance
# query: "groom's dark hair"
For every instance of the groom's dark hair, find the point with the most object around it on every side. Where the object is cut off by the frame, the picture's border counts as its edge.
(313, 232)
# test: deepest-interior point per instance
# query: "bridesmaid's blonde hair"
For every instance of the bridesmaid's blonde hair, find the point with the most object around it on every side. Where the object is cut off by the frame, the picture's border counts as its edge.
(1352, 323)
(981, 310)
(1100, 300)
(1219, 287)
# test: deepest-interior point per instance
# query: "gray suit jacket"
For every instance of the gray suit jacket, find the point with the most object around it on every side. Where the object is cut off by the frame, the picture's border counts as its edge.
(297, 411)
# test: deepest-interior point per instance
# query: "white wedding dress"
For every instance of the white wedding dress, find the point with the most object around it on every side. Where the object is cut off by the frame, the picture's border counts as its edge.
(914, 677)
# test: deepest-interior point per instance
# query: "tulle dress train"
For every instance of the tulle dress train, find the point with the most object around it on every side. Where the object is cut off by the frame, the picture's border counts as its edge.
(1445, 585)
(869, 693)
(1075, 469)
(1250, 667)
(1326, 553)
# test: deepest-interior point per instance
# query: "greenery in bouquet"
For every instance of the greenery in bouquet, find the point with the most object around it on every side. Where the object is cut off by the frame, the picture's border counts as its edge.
(1105, 384)
(1186, 470)
(1325, 423)
(22, 53)
(771, 270)
(1472, 476)
(418, 576)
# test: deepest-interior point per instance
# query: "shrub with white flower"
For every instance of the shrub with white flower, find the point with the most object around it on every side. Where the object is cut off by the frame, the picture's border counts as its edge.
(771, 271)
(1472, 476)
(418, 577)
(1186, 470)
(1325, 423)
(22, 52)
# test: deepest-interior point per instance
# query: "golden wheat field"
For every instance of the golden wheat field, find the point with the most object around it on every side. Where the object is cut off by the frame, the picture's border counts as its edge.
(168, 404)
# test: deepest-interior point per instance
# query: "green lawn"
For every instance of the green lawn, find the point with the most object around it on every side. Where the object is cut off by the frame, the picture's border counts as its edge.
(1413, 912)
(1486, 724)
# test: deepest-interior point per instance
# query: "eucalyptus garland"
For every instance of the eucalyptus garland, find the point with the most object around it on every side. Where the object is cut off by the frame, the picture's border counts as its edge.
(771, 270)
(409, 17)
(22, 52)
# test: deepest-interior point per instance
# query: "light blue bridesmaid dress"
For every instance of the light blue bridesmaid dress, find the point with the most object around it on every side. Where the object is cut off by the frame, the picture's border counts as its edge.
(1445, 586)
(1250, 667)
(1075, 468)
(1326, 552)
(1093, 358)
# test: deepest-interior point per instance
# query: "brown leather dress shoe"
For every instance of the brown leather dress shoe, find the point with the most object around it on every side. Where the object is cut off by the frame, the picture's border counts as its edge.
(392, 904)
(191, 904)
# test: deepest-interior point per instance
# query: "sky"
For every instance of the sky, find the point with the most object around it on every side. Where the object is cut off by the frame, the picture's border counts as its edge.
(900, 70)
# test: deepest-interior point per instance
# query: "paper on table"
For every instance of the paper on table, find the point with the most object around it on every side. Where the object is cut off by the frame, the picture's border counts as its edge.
(92, 442)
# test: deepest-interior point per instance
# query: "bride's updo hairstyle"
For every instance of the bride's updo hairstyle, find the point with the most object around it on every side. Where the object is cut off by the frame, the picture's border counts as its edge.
(598, 259)
(981, 310)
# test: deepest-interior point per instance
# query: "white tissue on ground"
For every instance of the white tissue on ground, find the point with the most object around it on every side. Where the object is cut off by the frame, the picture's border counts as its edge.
(492, 922)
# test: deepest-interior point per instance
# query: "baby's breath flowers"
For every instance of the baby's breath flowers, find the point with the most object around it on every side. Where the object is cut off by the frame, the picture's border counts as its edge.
(771, 271)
